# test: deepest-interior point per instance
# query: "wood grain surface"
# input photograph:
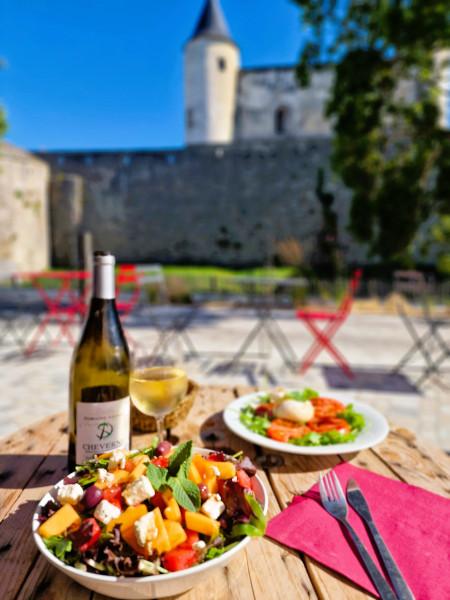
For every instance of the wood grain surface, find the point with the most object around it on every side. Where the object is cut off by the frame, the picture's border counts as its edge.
(35, 458)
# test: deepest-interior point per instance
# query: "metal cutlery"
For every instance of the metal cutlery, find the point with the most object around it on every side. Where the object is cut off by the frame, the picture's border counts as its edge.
(358, 502)
(334, 502)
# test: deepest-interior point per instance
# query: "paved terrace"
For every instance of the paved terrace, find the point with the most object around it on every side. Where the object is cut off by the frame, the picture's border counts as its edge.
(37, 386)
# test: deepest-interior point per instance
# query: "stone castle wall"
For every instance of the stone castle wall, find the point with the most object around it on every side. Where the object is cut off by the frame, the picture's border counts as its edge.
(24, 231)
(262, 92)
(219, 205)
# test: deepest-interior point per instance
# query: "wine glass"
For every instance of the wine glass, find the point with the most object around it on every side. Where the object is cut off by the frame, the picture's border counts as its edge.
(157, 390)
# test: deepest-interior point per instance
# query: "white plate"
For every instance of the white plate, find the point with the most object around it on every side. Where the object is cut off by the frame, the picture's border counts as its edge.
(375, 431)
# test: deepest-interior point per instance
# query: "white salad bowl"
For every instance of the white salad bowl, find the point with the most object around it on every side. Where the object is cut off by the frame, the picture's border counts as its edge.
(140, 588)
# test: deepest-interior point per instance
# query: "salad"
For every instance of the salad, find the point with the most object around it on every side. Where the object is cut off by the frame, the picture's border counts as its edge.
(152, 511)
(302, 418)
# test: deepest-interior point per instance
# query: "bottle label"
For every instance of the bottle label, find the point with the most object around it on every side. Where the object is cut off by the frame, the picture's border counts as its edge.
(102, 427)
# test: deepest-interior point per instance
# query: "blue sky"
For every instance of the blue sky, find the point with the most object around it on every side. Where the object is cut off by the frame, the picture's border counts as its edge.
(108, 73)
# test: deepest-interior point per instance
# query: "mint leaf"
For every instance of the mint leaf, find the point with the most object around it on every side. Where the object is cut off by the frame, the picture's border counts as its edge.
(185, 492)
(157, 476)
(180, 454)
(59, 545)
(183, 471)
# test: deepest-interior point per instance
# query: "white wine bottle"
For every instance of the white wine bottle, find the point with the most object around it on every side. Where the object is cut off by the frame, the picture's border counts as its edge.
(99, 411)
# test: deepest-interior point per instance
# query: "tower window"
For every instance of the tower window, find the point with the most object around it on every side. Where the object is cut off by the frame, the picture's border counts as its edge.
(190, 118)
(222, 63)
(281, 118)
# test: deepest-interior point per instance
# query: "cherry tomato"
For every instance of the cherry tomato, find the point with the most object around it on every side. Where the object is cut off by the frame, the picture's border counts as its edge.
(192, 538)
(87, 535)
(179, 558)
(265, 409)
(217, 456)
(113, 495)
(244, 480)
(161, 461)
(283, 430)
(158, 501)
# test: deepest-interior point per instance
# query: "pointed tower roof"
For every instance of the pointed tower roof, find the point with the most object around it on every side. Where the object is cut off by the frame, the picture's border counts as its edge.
(212, 23)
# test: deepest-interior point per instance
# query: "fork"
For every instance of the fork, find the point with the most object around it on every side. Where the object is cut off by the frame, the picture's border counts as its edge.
(334, 502)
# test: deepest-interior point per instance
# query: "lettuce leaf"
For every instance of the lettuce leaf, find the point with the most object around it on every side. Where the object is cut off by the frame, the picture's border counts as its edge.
(302, 396)
(257, 423)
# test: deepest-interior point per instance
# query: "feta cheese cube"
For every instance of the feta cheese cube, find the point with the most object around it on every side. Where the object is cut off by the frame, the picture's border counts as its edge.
(138, 491)
(106, 512)
(70, 494)
(213, 507)
(148, 568)
(117, 460)
(104, 477)
(200, 545)
(145, 529)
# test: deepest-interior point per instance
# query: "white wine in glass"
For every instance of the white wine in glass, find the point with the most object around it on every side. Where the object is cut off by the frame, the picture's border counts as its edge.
(157, 391)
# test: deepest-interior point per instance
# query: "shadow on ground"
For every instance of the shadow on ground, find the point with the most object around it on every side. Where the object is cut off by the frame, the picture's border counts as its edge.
(376, 380)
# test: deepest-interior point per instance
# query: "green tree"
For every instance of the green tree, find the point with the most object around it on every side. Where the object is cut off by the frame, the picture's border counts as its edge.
(388, 147)
(2, 123)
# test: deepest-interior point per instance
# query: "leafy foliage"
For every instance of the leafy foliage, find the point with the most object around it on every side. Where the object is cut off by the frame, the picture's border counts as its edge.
(185, 492)
(389, 147)
(2, 122)
(59, 545)
(256, 526)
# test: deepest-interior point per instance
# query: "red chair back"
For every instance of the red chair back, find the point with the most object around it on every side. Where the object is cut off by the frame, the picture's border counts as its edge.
(127, 277)
(347, 302)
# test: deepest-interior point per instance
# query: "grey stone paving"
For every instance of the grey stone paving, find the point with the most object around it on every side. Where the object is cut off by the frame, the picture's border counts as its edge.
(37, 386)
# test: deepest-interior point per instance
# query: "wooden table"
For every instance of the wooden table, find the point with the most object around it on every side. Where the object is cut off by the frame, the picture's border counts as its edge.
(35, 458)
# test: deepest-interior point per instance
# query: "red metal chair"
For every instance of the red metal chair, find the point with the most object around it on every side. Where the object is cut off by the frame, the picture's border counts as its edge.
(128, 294)
(64, 305)
(128, 282)
(334, 320)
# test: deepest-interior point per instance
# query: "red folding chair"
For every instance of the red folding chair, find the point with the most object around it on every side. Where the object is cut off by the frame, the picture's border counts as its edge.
(128, 293)
(128, 283)
(334, 320)
(64, 305)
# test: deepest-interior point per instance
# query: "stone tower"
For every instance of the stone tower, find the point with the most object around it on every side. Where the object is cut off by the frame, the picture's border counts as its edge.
(211, 70)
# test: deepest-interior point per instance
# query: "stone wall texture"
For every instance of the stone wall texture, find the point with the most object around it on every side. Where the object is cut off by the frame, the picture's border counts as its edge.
(262, 92)
(225, 205)
(24, 231)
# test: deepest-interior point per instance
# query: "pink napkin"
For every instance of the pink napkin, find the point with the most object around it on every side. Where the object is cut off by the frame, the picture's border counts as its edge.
(414, 523)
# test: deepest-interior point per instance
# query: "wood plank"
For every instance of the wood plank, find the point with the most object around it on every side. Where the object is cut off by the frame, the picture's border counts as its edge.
(46, 583)
(21, 455)
(415, 462)
(19, 551)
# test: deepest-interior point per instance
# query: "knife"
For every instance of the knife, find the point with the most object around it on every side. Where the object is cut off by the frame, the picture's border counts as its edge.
(358, 502)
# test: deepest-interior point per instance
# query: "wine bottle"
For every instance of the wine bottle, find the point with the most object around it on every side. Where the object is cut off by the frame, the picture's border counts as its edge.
(99, 411)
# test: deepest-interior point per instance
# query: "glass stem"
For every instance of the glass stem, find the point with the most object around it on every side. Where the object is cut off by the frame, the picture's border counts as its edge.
(160, 428)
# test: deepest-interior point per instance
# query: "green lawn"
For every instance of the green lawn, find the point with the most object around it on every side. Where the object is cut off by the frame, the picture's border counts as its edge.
(207, 271)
